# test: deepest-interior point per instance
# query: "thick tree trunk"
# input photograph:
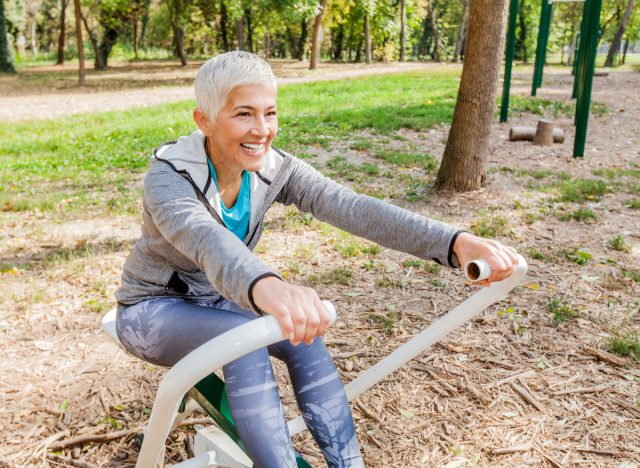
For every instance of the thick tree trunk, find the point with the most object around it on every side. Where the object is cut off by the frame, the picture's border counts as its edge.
(462, 32)
(403, 29)
(6, 57)
(104, 48)
(315, 39)
(437, 54)
(617, 39)
(367, 38)
(97, 60)
(338, 43)
(178, 40)
(463, 162)
(135, 37)
(61, 37)
(79, 42)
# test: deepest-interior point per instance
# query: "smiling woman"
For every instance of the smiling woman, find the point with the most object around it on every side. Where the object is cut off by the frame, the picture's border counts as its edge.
(193, 276)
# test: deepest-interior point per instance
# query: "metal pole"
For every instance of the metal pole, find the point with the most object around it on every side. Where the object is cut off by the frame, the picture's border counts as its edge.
(541, 48)
(511, 45)
(586, 77)
(580, 52)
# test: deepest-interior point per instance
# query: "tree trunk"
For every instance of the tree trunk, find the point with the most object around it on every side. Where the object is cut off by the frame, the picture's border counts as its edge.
(315, 39)
(338, 43)
(437, 54)
(247, 16)
(624, 51)
(6, 56)
(617, 39)
(104, 48)
(223, 26)
(144, 21)
(403, 29)
(463, 162)
(135, 37)
(97, 60)
(304, 35)
(178, 40)
(522, 37)
(367, 38)
(462, 32)
(61, 37)
(240, 34)
(34, 39)
(79, 42)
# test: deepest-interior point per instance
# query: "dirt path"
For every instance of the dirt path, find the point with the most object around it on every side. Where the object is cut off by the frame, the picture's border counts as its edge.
(127, 86)
(509, 389)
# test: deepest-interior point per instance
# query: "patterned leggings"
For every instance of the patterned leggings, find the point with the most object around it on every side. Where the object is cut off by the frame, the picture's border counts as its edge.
(163, 330)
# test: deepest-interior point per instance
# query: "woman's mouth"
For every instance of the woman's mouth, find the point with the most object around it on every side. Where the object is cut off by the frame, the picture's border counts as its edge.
(253, 148)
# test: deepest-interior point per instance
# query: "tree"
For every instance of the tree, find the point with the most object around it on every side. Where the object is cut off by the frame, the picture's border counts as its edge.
(80, 42)
(61, 36)
(315, 38)
(462, 32)
(617, 39)
(6, 55)
(178, 10)
(462, 167)
(403, 29)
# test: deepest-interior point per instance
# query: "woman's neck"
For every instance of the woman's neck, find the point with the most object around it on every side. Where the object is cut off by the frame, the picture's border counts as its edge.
(229, 177)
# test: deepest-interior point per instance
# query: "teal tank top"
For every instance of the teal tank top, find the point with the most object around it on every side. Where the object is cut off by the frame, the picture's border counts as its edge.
(236, 218)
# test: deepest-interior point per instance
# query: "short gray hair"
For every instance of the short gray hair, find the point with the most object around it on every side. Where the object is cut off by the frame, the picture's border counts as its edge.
(220, 74)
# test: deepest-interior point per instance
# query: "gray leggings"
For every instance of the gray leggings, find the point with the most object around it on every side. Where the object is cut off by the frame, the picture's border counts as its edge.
(163, 330)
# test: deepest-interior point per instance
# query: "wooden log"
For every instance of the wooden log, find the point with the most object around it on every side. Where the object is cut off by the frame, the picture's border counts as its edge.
(544, 133)
(527, 133)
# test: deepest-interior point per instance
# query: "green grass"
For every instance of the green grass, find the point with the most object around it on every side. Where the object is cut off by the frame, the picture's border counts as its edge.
(581, 190)
(560, 311)
(618, 243)
(486, 225)
(90, 160)
(538, 106)
(579, 257)
(634, 204)
(406, 160)
(625, 345)
(580, 215)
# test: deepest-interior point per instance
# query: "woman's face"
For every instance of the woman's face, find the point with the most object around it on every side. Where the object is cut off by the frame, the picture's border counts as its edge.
(241, 135)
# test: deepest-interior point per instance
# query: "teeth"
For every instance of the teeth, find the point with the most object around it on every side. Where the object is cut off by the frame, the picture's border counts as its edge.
(252, 147)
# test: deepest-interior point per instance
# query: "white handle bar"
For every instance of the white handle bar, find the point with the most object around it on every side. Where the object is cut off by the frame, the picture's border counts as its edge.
(432, 334)
(194, 367)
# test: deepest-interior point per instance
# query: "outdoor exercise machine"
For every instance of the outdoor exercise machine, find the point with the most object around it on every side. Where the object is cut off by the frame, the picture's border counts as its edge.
(583, 64)
(190, 381)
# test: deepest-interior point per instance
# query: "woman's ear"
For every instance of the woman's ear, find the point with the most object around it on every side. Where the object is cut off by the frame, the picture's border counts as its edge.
(202, 121)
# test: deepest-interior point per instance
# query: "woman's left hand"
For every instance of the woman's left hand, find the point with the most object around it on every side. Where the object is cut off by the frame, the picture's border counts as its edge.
(502, 259)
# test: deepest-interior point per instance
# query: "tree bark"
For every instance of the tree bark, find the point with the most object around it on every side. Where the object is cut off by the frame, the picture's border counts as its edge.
(135, 37)
(97, 61)
(240, 34)
(61, 37)
(522, 37)
(367, 38)
(178, 39)
(247, 16)
(144, 20)
(6, 56)
(34, 39)
(617, 39)
(437, 54)
(104, 47)
(315, 39)
(223, 26)
(304, 35)
(462, 32)
(403, 29)
(624, 51)
(463, 162)
(79, 42)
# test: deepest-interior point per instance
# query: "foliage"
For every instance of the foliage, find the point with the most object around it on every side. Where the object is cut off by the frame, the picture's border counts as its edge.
(625, 345)
(560, 310)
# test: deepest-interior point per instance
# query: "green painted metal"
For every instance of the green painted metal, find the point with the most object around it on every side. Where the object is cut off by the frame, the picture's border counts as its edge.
(508, 64)
(585, 76)
(579, 60)
(211, 394)
(541, 48)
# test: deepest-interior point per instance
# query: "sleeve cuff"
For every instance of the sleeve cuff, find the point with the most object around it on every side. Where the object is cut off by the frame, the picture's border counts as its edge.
(452, 258)
(253, 283)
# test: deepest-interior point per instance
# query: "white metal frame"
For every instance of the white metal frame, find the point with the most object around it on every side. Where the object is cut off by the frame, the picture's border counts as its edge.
(264, 331)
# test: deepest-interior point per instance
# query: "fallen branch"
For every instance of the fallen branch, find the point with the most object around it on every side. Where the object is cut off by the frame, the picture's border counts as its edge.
(598, 452)
(514, 449)
(68, 461)
(605, 356)
(91, 438)
(595, 389)
(527, 396)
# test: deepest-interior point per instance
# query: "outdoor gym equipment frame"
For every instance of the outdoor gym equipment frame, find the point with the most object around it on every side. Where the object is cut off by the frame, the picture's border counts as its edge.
(171, 403)
(583, 64)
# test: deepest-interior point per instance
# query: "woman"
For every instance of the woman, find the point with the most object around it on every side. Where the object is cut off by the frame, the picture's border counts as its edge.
(192, 275)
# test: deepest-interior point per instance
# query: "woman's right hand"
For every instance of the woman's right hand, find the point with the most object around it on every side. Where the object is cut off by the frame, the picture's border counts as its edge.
(298, 310)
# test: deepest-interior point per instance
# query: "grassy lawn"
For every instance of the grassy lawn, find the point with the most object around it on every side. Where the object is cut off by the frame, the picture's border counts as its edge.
(73, 163)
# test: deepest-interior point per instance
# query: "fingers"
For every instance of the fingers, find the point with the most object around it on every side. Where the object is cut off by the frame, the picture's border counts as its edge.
(304, 317)
(502, 259)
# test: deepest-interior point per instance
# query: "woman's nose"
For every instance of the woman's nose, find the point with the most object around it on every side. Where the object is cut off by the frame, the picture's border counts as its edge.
(261, 127)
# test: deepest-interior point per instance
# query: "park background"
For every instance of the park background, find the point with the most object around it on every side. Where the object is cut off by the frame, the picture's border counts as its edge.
(548, 377)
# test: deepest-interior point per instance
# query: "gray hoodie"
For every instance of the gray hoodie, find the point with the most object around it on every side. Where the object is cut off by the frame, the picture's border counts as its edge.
(186, 251)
